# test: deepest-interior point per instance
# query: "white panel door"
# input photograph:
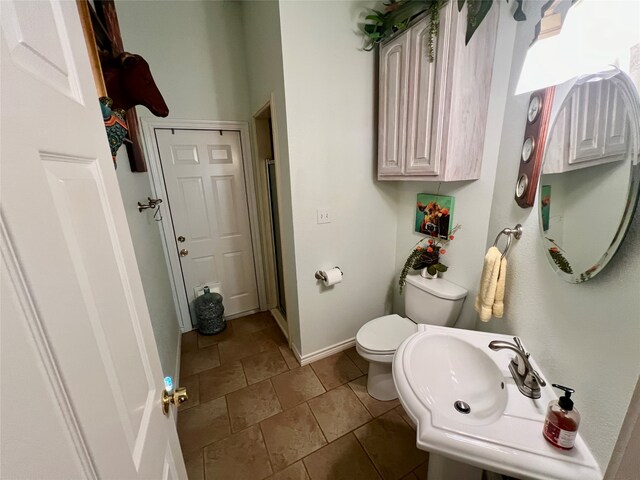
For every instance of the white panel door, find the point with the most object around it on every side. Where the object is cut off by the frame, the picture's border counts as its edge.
(205, 183)
(81, 380)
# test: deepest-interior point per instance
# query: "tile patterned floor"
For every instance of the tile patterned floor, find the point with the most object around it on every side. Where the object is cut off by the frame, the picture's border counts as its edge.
(254, 413)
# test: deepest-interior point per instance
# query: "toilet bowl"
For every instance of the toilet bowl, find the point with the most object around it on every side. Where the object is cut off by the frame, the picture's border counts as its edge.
(432, 301)
(377, 342)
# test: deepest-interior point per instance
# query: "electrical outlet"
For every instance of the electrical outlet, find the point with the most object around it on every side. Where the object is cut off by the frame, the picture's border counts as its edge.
(323, 215)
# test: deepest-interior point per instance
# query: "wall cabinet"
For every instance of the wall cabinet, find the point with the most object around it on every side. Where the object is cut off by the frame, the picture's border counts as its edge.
(432, 115)
(591, 129)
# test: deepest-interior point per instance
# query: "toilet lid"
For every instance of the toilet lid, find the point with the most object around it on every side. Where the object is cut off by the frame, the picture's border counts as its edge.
(385, 334)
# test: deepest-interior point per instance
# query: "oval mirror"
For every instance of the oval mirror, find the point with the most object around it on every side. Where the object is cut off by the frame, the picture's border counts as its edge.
(588, 189)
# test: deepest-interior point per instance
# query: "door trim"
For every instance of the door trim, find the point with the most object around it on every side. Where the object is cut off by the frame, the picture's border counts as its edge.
(264, 212)
(148, 127)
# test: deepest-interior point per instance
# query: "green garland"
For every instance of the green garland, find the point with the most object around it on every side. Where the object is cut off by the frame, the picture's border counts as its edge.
(413, 256)
(560, 260)
(397, 15)
(434, 26)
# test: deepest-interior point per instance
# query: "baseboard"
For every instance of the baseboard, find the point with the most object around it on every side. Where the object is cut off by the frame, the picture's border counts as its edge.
(242, 314)
(323, 352)
(296, 353)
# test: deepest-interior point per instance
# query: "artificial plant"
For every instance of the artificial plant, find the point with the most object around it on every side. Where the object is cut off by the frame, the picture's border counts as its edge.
(427, 256)
(398, 14)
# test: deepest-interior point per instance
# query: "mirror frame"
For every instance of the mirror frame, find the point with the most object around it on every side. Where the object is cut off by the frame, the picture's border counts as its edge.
(631, 97)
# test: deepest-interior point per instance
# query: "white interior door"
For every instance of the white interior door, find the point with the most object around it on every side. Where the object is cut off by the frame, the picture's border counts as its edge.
(207, 195)
(81, 377)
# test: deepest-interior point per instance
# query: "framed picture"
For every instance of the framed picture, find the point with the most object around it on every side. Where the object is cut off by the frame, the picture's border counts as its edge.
(434, 214)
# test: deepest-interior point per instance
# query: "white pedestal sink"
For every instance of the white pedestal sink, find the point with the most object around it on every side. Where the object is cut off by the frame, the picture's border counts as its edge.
(469, 412)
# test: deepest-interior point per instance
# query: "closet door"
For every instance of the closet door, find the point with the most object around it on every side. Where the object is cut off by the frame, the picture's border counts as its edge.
(394, 64)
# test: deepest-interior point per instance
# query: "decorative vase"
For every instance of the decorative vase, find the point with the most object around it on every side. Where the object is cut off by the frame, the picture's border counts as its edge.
(425, 274)
(209, 312)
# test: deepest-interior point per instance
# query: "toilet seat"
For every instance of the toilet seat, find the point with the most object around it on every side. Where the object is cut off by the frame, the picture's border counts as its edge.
(377, 342)
(383, 335)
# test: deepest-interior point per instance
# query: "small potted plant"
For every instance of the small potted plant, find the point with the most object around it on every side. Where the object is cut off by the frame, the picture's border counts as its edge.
(426, 258)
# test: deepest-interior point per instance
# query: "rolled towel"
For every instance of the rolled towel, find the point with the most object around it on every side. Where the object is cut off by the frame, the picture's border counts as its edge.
(488, 283)
(498, 303)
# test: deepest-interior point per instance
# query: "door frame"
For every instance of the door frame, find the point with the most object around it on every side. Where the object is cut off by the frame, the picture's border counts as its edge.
(156, 178)
(264, 213)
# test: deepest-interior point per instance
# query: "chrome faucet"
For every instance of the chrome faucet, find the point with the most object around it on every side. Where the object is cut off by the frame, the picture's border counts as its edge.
(529, 381)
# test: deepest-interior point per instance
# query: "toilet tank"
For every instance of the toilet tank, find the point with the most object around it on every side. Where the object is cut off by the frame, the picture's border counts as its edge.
(434, 301)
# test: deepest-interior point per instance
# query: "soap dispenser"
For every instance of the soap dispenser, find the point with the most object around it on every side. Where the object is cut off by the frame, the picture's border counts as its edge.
(562, 421)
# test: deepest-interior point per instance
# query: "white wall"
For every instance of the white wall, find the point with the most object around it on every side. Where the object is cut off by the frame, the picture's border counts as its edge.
(331, 118)
(472, 199)
(196, 53)
(585, 336)
(147, 244)
(263, 47)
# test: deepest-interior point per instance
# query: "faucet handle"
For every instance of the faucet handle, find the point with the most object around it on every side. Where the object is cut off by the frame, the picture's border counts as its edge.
(500, 344)
(532, 375)
(520, 364)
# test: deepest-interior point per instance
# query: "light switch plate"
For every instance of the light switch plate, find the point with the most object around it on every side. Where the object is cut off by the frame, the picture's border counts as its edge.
(324, 216)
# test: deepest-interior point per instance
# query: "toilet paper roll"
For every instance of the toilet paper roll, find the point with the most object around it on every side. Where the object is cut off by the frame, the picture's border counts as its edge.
(332, 276)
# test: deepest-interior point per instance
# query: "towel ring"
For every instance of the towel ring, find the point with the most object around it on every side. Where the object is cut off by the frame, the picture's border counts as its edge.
(509, 232)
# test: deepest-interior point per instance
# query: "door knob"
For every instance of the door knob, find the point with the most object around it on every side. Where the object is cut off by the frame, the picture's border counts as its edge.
(181, 239)
(184, 252)
(177, 397)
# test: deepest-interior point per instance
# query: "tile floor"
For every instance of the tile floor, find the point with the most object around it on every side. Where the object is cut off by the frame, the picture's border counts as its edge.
(254, 413)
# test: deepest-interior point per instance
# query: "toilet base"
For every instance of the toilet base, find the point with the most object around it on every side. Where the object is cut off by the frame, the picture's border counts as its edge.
(380, 383)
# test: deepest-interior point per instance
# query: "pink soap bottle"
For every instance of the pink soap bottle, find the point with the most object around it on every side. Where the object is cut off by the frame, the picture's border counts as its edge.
(562, 421)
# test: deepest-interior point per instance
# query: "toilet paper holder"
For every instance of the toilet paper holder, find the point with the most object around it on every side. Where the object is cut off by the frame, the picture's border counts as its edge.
(321, 276)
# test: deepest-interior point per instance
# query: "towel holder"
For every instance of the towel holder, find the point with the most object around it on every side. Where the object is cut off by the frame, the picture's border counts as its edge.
(509, 232)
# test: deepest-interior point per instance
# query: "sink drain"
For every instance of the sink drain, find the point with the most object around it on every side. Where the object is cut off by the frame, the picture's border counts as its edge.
(462, 407)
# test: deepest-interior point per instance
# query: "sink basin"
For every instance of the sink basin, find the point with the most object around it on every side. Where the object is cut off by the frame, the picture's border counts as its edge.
(467, 407)
(464, 373)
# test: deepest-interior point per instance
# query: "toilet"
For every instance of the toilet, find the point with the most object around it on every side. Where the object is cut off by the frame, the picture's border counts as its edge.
(433, 301)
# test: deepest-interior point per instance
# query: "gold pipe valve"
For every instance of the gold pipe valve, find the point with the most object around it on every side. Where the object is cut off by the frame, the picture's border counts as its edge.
(177, 397)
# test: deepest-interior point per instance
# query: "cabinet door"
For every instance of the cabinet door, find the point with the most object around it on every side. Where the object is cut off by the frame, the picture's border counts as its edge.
(616, 124)
(421, 158)
(587, 122)
(393, 106)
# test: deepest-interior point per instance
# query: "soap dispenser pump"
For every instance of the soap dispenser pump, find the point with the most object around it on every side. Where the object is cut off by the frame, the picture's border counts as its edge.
(562, 421)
